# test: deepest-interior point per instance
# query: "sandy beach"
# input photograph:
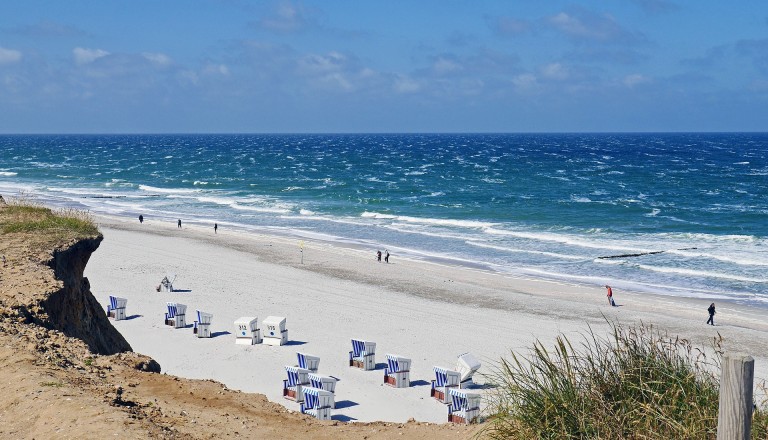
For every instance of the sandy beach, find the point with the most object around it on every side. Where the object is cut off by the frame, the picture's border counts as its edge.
(427, 311)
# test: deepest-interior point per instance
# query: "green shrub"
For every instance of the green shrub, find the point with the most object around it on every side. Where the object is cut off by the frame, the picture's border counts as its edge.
(636, 383)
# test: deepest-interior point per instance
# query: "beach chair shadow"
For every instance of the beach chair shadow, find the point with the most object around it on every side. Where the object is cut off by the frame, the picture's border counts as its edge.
(217, 334)
(420, 383)
(181, 290)
(295, 343)
(345, 404)
(343, 418)
(128, 318)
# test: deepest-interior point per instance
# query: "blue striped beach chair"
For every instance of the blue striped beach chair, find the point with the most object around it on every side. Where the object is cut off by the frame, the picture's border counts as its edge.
(326, 383)
(317, 403)
(202, 327)
(297, 379)
(308, 361)
(398, 371)
(176, 316)
(464, 406)
(363, 354)
(445, 379)
(116, 307)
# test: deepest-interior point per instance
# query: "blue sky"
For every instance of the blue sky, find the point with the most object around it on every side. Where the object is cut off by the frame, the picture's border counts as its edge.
(164, 66)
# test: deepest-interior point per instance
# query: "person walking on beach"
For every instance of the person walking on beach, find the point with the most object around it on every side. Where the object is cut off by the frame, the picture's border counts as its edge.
(711, 311)
(610, 296)
(215, 228)
(378, 256)
(386, 256)
(179, 224)
(141, 218)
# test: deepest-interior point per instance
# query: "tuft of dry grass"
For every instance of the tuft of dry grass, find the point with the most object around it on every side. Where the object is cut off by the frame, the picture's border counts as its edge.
(638, 383)
(25, 215)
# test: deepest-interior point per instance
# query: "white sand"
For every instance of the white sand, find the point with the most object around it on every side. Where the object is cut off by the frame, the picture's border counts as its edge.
(428, 312)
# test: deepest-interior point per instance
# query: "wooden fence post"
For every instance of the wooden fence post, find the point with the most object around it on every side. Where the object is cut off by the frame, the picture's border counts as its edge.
(734, 417)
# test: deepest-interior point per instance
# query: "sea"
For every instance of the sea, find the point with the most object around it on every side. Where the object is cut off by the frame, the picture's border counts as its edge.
(683, 214)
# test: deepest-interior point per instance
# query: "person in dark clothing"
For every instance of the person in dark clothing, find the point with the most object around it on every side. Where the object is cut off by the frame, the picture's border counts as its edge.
(141, 218)
(179, 223)
(711, 311)
(378, 256)
(386, 256)
(215, 227)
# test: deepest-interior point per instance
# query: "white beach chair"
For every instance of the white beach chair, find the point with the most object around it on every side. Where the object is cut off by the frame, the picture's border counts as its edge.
(464, 406)
(176, 316)
(398, 371)
(297, 379)
(445, 379)
(275, 332)
(116, 308)
(467, 365)
(317, 403)
(247, 331)
(308, 361)
(203, 324)
(326, 383)
(363, 354)
(166, 284)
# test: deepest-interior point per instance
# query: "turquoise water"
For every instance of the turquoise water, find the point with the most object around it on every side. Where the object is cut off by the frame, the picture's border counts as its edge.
(680, 214)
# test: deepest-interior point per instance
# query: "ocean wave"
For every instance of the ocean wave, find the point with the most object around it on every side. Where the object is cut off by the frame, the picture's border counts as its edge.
(527, 251)
(569, 240)
(155, 189)
(701, 273)
(8, 173)
(429, 221)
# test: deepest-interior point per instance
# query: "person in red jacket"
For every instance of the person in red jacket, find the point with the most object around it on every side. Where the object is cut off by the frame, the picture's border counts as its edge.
(610, 296)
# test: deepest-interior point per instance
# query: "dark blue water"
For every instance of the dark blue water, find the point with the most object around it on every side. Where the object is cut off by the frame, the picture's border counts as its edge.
(537, 205)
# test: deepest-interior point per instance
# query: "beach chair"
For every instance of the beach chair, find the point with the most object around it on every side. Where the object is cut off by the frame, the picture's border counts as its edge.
(467, 365)
(275, 332)
(398, 371)
(317, 403)
(326, 383)
(166, 284)
(116, 308)
(247, 331)
(363, 354)
(202, 326)
(297, 378)
(445, 379)
(464, 406)
(308, 361)
(176, 316)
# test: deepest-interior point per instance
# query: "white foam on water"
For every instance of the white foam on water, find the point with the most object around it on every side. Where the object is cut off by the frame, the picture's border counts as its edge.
(8, 173)
(701, 273)
(154, 189)
(527, 251)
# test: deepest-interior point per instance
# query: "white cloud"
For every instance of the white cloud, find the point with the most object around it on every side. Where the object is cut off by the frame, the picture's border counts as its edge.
(9, 56)
(555, 71)
(87, 56)
(635, 79)
(525, 81)
(403, 84)
(444, 65)
(216, 69)
(159, 59)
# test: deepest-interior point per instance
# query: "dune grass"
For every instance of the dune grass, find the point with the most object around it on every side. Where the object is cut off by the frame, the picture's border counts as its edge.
(21, 215)
(637, 383)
